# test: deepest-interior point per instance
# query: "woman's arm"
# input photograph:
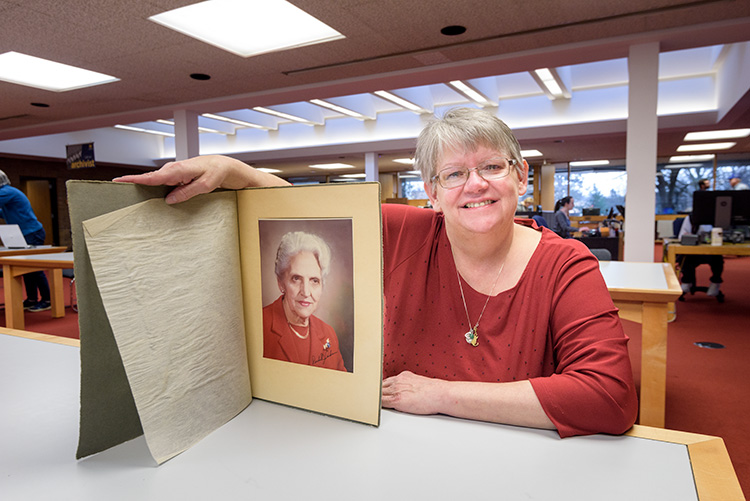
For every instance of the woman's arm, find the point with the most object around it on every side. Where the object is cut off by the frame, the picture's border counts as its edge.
(513, 403)
(203, 175)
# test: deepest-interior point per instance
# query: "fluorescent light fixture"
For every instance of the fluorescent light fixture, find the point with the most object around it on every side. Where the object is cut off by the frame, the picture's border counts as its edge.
(43, 74)
(354, 176)
(404, 161)
(712, 135)
(400, 101)
(248, 28)
(332, 166)
(531, 153)
(147, 131)
(684, 166)
(589, 163)
(339, 109)
(268, 170)
(551, 83)
(691, 158)
(470, 92)
(705, 147)
(200, 129)
(410, 174)
(281, 114)
(234, 121)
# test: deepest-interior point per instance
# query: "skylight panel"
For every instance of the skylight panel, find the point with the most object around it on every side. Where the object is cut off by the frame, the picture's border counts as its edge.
(248, 27)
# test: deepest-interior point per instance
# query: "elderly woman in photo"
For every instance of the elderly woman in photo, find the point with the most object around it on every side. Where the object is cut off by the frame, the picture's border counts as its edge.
(290, 330)
(486, 317)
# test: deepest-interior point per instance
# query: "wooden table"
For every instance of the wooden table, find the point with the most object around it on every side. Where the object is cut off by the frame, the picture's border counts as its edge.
(642, 292)
(41, 249)
(272, 451)
(674, 248)
(16, 266)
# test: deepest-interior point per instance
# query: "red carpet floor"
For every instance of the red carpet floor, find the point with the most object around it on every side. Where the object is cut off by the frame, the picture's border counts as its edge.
(708, 390)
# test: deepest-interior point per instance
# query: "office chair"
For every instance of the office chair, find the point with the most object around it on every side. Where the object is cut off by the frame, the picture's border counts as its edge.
(698, 288)
(602, 254)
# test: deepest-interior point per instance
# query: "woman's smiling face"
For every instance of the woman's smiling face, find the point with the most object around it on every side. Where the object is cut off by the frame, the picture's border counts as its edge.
(479, 206)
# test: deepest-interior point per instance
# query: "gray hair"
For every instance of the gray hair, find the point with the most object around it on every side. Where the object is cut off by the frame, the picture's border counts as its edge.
(463, 129)
(295, 242)
(4, 179)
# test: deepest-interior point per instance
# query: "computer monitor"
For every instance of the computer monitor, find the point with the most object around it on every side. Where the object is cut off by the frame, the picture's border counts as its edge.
(721, 209)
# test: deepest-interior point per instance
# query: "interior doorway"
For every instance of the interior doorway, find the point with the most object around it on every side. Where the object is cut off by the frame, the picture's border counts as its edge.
(42, 194)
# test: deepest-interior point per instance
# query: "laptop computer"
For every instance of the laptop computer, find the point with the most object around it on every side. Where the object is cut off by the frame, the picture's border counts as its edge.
(12, 237)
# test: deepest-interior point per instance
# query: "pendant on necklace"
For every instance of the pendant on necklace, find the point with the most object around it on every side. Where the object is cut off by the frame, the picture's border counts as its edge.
(472, 337)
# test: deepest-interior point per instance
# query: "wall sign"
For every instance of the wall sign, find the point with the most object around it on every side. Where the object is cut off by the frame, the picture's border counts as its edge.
(80, 156)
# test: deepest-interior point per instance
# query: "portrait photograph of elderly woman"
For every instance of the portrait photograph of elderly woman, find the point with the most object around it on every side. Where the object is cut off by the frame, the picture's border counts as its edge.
(307, 292)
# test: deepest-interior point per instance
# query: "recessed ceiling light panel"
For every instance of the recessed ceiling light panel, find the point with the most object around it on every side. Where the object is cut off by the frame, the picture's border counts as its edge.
(332, 166)
(531, 153)
(691, 158)
(43, 74)
(705, 147)
(589, 163)
(712, 135)
(248, 28)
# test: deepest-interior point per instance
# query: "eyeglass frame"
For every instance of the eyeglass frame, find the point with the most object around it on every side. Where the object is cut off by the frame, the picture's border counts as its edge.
(511, 163)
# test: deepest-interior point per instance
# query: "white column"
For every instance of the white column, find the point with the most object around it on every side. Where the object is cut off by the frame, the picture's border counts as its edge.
(640, 159)
(186, 141)
(371, 167)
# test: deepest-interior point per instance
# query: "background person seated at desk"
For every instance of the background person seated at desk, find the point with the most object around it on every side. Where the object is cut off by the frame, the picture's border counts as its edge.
(690, 262)
(561, 221)
(16, 209)
(527, 334)
(737, 184)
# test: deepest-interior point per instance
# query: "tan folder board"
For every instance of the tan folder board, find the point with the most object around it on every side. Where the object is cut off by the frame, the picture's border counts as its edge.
(171, 301)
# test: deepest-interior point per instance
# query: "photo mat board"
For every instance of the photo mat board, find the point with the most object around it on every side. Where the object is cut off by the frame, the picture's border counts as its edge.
(335, 304)
(351, 395)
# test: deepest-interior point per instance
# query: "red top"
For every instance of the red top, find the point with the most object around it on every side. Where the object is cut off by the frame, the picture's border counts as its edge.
(557, 327)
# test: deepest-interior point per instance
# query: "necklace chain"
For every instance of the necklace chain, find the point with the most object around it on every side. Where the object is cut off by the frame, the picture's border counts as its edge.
(297, 333)
(472, 336)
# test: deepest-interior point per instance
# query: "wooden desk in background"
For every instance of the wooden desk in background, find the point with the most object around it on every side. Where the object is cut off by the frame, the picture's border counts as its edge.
(642, 292)
(14, 267)
(41, 249)
(270, 451)
(674, 248)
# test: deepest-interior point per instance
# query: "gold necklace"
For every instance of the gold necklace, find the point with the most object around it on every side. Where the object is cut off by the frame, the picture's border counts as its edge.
(297, 333)
(472, 336)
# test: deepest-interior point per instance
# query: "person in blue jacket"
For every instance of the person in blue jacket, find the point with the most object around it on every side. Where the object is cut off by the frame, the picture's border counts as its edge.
(16, 209)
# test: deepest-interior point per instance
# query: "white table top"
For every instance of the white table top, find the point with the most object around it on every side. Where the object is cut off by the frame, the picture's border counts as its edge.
(274, 452)
(628, 275)
(56, 256)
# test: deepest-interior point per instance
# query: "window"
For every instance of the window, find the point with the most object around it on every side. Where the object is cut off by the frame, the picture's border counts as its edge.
(592, 188)
(675, 183)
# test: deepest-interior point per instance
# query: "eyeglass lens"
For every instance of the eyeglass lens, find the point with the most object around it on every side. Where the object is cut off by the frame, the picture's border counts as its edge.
(453, 177)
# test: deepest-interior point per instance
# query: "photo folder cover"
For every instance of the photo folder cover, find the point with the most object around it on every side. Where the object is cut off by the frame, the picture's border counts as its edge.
(171, 300)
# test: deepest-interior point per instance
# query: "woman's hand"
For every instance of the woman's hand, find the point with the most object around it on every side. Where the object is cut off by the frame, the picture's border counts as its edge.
(408, 392)
(198, 175)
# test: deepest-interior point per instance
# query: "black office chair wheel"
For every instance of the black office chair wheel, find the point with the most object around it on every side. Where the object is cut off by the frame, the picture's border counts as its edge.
(720, 297)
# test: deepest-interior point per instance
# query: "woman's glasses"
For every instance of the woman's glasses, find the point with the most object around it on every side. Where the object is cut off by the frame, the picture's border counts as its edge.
(455, 177)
